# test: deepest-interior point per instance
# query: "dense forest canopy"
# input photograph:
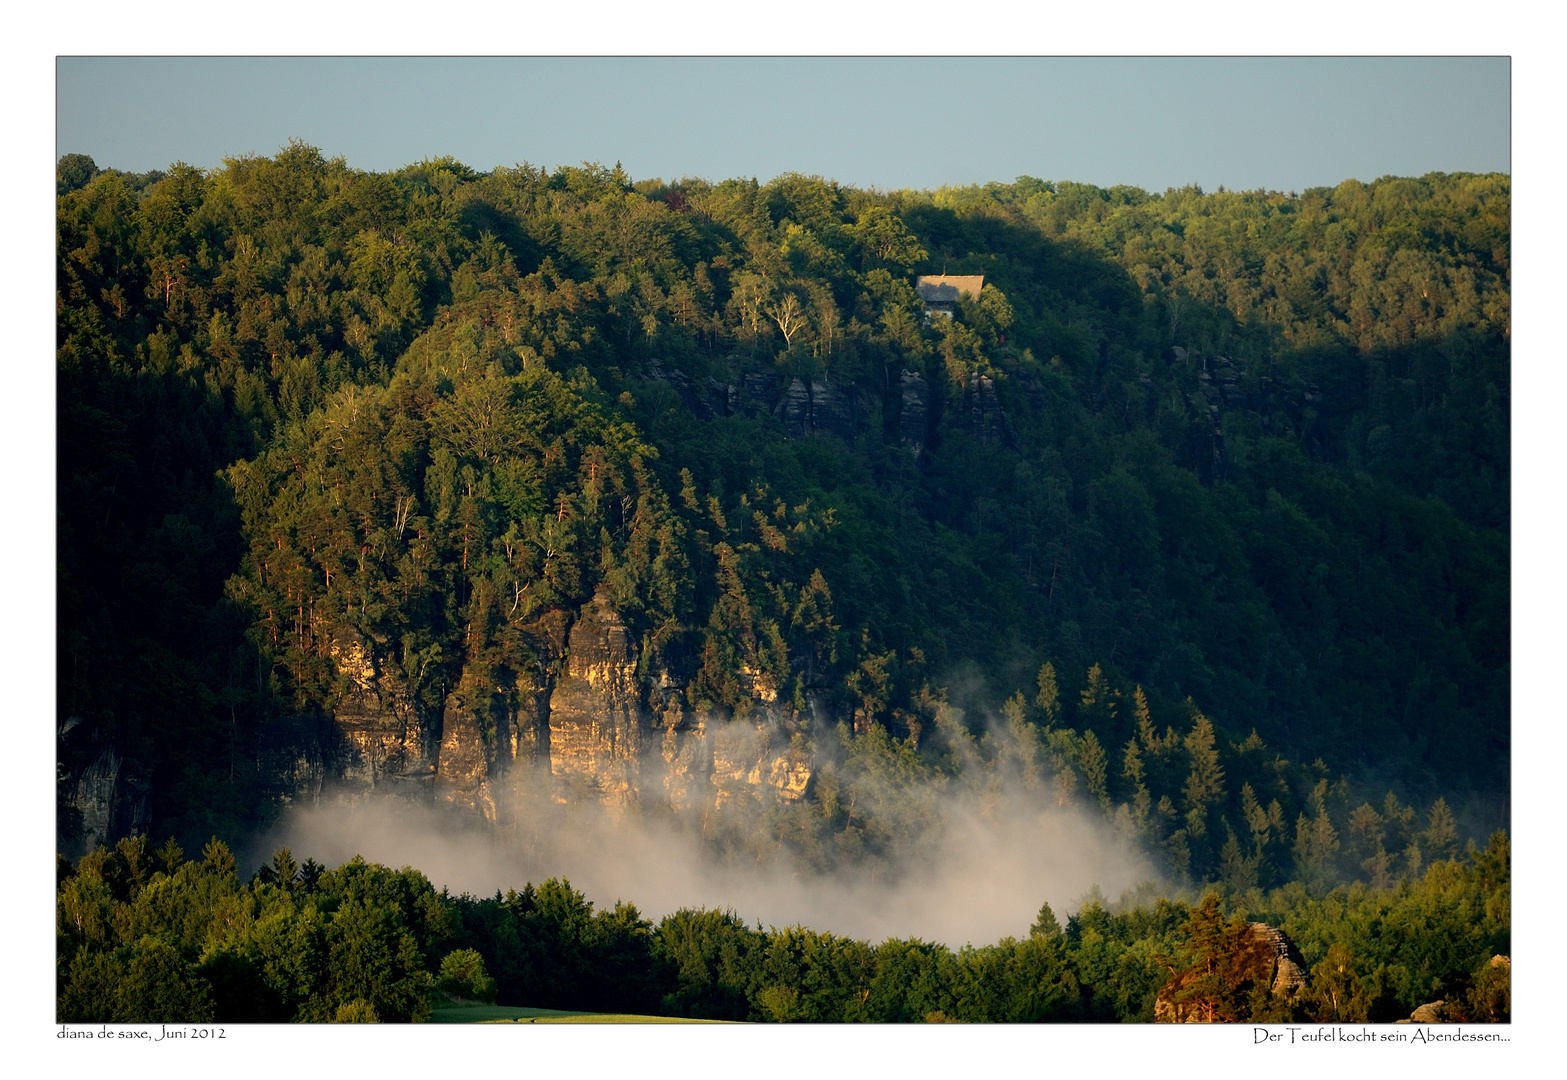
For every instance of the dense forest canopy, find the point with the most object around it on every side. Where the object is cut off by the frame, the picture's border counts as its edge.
(1204, 497)
(146, 936)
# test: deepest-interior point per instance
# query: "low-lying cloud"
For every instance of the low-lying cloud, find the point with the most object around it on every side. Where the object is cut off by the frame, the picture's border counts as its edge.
(975, 871)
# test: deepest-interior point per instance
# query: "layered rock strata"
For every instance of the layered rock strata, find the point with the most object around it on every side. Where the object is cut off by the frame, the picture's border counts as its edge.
(576, 714)
(383, 739)
(913, 411)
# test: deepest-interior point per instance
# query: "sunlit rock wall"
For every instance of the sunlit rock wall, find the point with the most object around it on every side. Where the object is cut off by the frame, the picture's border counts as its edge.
(573, 712)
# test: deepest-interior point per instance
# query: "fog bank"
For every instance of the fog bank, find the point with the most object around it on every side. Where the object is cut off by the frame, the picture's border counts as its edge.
(977, 871)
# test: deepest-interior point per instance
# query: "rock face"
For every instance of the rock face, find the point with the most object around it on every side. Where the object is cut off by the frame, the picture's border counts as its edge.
(111, 804)
(821, 407)
(1432, 1012)
(383, 738)
(572, 713)
(913, 411)
(1289, 967)
(676, 380)
(595, 719)
(986, 417)
(475, 729)
(756, 393)
(1268, 958)
(832, 410)
(723, 399)
(1223, 385)
(750, 762)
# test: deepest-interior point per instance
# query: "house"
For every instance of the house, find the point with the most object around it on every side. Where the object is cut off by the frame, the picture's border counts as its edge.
(941, 291)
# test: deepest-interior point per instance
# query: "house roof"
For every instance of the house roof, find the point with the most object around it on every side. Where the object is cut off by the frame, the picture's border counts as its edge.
(946, 288)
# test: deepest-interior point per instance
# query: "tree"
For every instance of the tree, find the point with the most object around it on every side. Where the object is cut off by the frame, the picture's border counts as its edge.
(372, 956)
(161, 986)
(1316, 842)
(74, 171)
(1095, 769)
(1025, 739)
(463, 976)
(1211, 978)
(1237, 872)
(1337, 994)
(357, 1011)
(790, 316)
(170, 856)
(1098, 703)
(882, 236)
(217, 860)
(1045, 923)
(1265, 825)
(1049, 697)
(1205, 783)
(1440, 839)
(1133, 771)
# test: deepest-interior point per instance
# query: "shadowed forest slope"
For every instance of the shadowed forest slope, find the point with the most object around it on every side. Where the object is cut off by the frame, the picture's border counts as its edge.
(1233, 465)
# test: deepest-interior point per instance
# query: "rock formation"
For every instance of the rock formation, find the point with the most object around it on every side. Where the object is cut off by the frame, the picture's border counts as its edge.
(475, 729)
(571, 712)
(913, 411)
(382, 734)
(987, 419)
(832, 410)
(1432, 1012)
(1289, 967)
(756, 393)
(578, 712)
(821, 407)
(595, 719)
(1268, 958)
(723, 399)
(109, 802)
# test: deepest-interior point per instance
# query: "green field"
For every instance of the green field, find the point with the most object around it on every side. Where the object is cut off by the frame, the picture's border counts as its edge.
(511, 1014)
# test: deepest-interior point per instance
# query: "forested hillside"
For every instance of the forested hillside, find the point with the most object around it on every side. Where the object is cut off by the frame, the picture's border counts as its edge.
(146, 936)
(1203, 499)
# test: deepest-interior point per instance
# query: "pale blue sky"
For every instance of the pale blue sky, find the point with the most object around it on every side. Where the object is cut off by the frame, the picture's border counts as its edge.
(1282, 123)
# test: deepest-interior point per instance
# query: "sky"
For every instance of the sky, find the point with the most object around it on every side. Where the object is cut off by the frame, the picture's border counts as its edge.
(1283, 123)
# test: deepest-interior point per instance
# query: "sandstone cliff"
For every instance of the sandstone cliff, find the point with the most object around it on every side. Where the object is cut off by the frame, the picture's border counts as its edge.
(596, 722)
(574, 713)
(577, 713)
(383, 738)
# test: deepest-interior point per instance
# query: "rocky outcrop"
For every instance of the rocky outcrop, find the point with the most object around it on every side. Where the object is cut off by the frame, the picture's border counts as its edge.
(1267, 958)
(795, 408)
(384, 740)
(820, 407)
(913, 411)
(756, 393)
(1289, 967)
(476, 742)
(595, 717)
(536, 675)
(832, 409)
(987, 419)
(1224, 385)
(676, 380)
(573, 711)
(682, 743)
(1433, 1012)
(110, 803)
(569, 709)
(723, 399)
(754, 760)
